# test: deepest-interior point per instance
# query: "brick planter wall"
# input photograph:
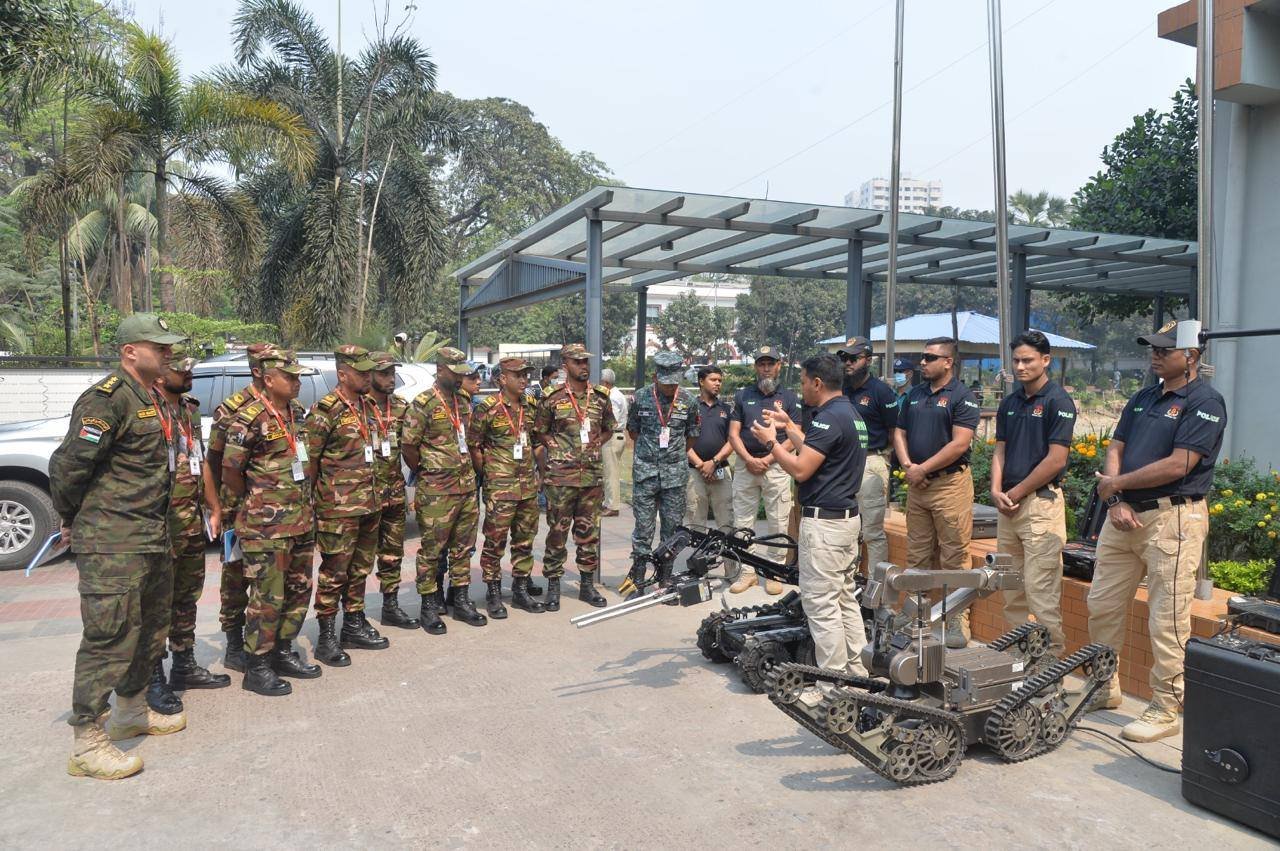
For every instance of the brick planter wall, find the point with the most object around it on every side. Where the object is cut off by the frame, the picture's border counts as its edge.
(987, 621)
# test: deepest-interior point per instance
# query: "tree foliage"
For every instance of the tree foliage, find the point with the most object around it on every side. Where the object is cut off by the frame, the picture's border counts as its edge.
(694, 329)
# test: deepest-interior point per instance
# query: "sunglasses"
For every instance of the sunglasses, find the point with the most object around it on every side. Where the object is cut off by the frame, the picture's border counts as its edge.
(1160, 351)
(847, 358)
(930, 358)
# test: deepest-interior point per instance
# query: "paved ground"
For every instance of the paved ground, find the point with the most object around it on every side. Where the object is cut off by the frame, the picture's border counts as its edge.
(529, 733)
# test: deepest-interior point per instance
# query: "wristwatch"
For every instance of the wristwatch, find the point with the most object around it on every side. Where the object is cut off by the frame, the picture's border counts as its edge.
(1112, 501)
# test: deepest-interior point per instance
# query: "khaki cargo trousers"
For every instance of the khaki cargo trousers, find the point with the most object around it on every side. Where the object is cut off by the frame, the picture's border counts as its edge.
(1034, 538)
(774, 487)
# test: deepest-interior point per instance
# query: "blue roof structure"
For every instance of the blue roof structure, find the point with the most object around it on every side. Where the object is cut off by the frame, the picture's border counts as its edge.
(975, 329)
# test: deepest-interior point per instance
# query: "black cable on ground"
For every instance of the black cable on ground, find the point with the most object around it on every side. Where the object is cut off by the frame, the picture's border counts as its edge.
(1126, 746)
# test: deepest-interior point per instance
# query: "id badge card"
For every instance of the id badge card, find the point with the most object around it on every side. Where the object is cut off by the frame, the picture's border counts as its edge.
(302, 453)
(386, 447)
(368, 453)
(664, 437)
(517, 450)
(462, 441)
(394, 438)
(298, 473)
(173, 459)
(584, 434)
(193, 464)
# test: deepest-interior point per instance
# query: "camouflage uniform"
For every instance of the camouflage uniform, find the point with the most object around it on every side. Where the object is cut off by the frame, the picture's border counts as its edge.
(186, 525)
(233, 591)
(110, 481)
(660, 476)
(445, 495)
(273, 521)
(339, 435)
(389, 479)
(511, 487)
(574, 472)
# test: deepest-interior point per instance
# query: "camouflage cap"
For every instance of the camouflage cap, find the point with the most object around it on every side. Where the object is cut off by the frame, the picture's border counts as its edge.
(181, 359)
(356, 357)
(574, 351)
(667, 367)
(255, 352)
(146, 328)
(286, 361)
(513, 364)
(454, 360)
(767, 353)
(384, 360)
(855, 346)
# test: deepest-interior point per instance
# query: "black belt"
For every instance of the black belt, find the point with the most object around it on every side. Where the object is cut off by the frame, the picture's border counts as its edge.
(1153, 504)
(829, 513)
(955, 468)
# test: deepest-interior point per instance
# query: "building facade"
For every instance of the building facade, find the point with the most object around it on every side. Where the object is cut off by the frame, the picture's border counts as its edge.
(913, 195)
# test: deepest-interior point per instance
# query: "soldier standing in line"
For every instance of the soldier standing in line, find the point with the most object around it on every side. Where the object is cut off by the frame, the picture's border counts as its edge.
(233, 591)
(470, 387)
(339, 432)
(194, 493)
(663, 424)
(110, 481)
(435, 444)
(877, 406)
(388, 412)
(574, 421)
(266, 465)
(502, 450)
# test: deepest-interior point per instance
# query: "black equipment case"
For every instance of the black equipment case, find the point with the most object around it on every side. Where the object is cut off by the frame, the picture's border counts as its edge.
(1231, 730)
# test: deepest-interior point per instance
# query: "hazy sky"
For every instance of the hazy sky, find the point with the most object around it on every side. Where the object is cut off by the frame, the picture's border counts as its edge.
(728, 97)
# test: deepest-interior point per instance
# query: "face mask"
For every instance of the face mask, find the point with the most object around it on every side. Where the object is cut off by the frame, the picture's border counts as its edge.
(899, 378)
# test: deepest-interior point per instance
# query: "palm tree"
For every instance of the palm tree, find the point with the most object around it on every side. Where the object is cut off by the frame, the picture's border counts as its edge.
(1038, 210)
(369, 205)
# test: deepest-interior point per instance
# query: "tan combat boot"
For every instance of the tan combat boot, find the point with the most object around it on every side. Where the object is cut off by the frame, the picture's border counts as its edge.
(746, 580)
(772, 587)
(1107, 697)
(958, 631)
(132, 717)
(94, 756)
(1156, 722)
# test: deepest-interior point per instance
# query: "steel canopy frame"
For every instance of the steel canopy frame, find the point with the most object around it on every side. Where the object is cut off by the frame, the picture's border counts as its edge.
(625, 238)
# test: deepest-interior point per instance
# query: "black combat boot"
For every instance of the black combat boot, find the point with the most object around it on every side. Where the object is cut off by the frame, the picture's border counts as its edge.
(184, 673)
(393, 615)
(534, 590)
(357, 632)
(234, 658)
(286, 662)
(328, 650)
(553, 594)
(261, 679)
(429, 616)
(587, 592)
(493, 600)
(159, 696)
(520, 596)
(449, 597)
(463, 609)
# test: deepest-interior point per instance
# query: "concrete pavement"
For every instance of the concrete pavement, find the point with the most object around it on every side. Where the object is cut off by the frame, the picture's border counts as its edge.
(529, 733)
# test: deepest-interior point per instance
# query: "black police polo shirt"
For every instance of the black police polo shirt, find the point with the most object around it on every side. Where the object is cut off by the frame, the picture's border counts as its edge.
(1027, 425)
(877, 404)
(838, 433)
(714, 423)
(1157, 421)
(927, 418)
(748, 407)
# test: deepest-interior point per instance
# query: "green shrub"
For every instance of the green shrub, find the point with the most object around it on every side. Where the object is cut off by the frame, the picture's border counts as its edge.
(1242, 577)
(1244, 512)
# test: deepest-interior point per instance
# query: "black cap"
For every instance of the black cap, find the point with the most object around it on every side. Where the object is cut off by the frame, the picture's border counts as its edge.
(855, 346)
(1165, 338)
(903, 365)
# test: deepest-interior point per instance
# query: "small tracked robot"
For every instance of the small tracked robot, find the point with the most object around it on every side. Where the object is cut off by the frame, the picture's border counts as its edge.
(923, 704)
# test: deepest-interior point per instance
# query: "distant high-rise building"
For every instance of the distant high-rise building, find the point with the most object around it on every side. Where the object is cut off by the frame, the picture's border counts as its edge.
(913, 195)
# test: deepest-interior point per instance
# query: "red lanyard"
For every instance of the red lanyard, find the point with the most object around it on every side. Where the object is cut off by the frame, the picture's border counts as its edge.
(166, 423)
(288, 432)
(185, 423)
(360, 423)
(577, 412)
(515, 432)
(456, 416)
(383, 425)
(662, 421)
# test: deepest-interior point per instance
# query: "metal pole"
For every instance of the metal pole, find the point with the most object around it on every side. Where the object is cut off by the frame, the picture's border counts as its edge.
(595, 296)
(1002, 192)
(1204, 55)
(853, 287)
(642, 332)
(464, 338)
(895, 172)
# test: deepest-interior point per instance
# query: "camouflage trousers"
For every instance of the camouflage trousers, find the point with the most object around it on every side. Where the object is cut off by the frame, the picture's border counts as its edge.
(188, 583)
(348, 546)
(233, 591)
(125, 604)
(391, 546)
(649, 502)
(280, 592)
(448, 524)
(575, 508)
(503, 517)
